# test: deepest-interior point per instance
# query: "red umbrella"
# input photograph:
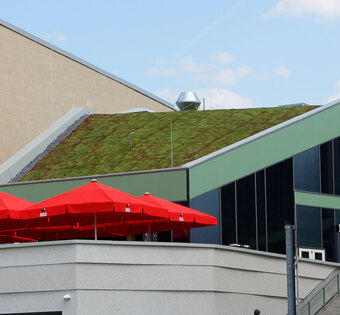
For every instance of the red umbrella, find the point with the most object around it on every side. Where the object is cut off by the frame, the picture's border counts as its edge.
(5, 238)
(181, 214)
(9, 202)
(180, 217)
(87, 205)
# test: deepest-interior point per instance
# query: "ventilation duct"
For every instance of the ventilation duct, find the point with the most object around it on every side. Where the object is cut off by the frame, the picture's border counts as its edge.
(188, 101)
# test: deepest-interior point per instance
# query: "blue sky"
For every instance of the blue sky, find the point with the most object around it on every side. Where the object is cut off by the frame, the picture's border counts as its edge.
(235, 53)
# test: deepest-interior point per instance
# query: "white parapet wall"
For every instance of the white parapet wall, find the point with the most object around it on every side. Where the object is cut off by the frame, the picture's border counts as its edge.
(14, 165)
(105, 277)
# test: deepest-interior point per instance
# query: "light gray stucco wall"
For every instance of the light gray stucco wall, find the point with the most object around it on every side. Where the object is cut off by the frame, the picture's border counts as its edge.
(107, 277)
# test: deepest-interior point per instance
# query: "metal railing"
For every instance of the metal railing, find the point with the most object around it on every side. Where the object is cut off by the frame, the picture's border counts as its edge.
(320, 297)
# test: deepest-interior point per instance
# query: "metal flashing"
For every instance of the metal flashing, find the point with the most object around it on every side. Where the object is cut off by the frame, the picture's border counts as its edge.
(84, 63)
(161, 170)
(261, 134)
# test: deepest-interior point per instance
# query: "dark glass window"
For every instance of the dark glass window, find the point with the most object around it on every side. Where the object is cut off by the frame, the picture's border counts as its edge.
(326, 168)
(306, 170)
(228, 214)
(308, 226)
(164, 236)
(280, 203)
(246, 218)
(208, 203)
(337, 216)
(328, 233)
(304, 254)
(337, 166)
(336, 228)
(318, 256)
(261, 210)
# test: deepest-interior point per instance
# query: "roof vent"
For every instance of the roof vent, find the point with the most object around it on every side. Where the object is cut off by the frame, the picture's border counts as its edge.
(188, 101)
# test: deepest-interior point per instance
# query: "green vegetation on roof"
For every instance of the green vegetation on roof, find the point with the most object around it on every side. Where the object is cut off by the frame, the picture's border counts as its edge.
(100, 144)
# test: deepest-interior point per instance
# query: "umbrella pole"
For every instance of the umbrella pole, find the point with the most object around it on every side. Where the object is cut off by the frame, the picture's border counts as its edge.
(95, 226)
(149, 233)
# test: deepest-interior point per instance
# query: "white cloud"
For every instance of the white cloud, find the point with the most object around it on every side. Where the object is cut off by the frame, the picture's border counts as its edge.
(333, 97)
(56, 37)
(222, 57)
(224, 98)
(322, 9)
(282, 71)
(184, 65)
(243, 71)
(159, 72)
(189, 65)
(228, 76)
(222, 77)
(214, 74)
(168, 95)
(216, 69)
(336, 87)
(214, 98)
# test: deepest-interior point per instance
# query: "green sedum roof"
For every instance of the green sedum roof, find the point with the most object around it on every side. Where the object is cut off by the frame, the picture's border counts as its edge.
(100, 144)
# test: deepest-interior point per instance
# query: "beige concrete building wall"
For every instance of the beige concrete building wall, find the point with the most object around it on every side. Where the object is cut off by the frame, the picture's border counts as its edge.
(38, 85)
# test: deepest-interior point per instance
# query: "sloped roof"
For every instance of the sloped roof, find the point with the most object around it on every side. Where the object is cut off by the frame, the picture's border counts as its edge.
(100, 145)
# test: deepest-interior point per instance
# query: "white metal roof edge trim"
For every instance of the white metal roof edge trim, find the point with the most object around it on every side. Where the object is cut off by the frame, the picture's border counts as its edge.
(17, 162)
(83, 62)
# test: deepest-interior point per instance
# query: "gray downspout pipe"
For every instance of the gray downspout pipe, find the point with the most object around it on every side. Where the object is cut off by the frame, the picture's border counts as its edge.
(290, 269)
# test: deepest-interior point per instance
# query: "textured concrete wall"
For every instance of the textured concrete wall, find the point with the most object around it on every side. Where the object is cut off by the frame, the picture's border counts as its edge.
(39, 85)
(146, 278)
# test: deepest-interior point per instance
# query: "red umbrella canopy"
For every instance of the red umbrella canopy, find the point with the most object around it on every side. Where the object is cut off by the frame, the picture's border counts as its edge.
(4, 238)
(180, 217)
(92, 198)
(9, 202)
(179, 213)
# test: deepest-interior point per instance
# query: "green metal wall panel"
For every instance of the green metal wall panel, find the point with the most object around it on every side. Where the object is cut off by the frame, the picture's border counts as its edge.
(170, 185)
(265, 151)
(317, 200)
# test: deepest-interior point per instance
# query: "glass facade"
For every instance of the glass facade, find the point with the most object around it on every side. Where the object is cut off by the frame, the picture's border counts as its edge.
(280, 203)
(309, 233)
(318, 169)
(336, 159)
(228, 209)
(254, 210)
(261, 211)
(306, 170)
(246, 216)
(208, 203)
(326, 165)
(329, 233)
